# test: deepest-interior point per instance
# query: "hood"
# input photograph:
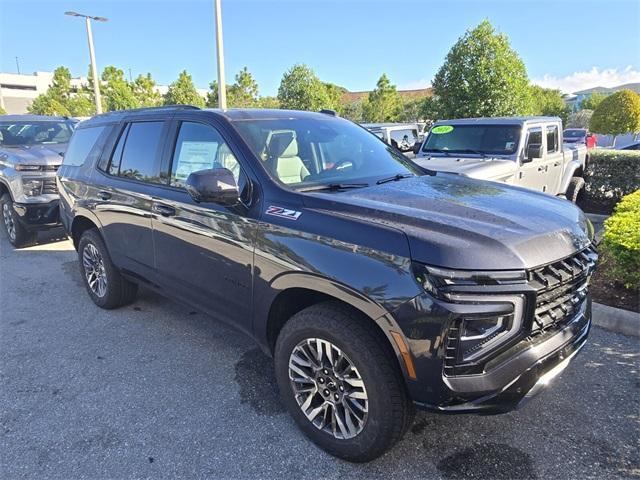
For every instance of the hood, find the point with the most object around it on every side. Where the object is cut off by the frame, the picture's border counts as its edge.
(474, 167)
(35, 154)
(454, 222)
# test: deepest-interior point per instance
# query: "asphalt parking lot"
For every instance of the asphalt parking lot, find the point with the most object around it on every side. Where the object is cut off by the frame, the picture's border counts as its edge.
(158, 390)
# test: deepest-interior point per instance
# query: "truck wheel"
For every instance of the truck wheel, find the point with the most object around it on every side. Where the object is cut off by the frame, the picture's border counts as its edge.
(575, 189)
(340, 383)
(16, 233)
(106, 286)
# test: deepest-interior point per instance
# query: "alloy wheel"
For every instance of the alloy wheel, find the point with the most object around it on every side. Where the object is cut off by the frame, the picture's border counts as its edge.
(94, 270)
(8, 221)
(328, 388)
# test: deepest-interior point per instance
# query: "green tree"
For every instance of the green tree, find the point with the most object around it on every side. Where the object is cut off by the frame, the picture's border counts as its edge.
(411, 110)
(268, 102)
(334, 96)
(549, 102)
(482, 77)
(352, 111)
(117, 91)
(301, 89)
(183, 92)
(580, 119)
(617, 114)
(144, 90)
(383, 104)
(55, 100)
(243, 93)
(592, 101)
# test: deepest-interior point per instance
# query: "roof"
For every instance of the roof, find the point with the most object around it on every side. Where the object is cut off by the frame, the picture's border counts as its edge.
(497, 120)
(33, 118)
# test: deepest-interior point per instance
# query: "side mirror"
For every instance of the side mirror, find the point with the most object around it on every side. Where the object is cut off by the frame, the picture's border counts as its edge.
(533, 151)
(416, 147)
(215, 185)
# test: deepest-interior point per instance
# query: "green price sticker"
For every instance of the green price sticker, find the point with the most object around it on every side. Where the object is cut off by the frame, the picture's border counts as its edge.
(440, 129)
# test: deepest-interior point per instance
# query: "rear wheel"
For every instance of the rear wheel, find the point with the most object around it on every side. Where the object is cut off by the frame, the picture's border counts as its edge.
(105, 284)
(340, 383)
(16, 233)
(575, 190)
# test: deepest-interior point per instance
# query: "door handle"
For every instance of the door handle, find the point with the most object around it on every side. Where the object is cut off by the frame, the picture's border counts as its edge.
(104, 195)
(164, 210)
(557, 164)
(542, 168)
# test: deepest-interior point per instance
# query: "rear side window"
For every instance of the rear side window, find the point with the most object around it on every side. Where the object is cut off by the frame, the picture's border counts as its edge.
(81, 144)
(552, 139)
(404, 139)
(136, 154)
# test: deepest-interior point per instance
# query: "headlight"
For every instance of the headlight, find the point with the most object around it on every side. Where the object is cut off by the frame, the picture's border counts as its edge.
(28, 168)
(32, 187)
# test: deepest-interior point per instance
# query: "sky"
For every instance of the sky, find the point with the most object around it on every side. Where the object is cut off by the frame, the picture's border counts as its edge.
(565, 44)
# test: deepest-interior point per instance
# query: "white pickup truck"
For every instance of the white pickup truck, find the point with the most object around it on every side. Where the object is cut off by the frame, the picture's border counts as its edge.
(523, 151)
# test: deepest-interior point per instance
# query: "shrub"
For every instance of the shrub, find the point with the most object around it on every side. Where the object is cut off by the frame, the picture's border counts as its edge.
(611, 174)
(622, 240)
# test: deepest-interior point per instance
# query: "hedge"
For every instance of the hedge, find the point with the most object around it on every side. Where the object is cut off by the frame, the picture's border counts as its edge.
(622, 240)
(612, 174)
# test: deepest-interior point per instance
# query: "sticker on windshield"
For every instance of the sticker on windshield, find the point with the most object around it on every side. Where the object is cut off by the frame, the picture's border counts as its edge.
(440, 129)
(283, 212)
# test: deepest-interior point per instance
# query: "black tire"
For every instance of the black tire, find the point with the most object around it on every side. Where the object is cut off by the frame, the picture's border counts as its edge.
(16, 233)
(118, 291)
(575, 189)
(390, 411)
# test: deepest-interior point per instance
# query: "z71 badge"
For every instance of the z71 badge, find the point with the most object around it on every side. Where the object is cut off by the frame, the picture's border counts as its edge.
(283, 212)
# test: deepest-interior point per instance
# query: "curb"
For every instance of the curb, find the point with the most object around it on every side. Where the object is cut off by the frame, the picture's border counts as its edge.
(615, 319)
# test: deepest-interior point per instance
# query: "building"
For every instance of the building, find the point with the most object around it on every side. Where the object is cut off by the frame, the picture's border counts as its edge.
(17, 91)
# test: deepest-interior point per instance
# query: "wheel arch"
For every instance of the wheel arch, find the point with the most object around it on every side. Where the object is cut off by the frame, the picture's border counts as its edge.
(79, 225)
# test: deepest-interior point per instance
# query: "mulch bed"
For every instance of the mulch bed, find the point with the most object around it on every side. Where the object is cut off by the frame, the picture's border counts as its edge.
(607, 291)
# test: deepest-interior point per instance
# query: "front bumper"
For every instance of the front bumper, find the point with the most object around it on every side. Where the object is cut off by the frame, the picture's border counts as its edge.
(38, 216)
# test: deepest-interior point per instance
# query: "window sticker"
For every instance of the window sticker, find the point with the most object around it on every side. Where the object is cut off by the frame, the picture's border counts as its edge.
(509, 145)
(195, 156)
(440, 129)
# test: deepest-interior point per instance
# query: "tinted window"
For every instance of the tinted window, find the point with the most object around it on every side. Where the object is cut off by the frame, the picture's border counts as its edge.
(200, 147)
(82, 141)
(35, 133)
(535, 137)
(552, 139)
(489, 139)
(136, 155)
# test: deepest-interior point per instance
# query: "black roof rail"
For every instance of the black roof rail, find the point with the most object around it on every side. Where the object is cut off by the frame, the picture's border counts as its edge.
(328, 111)
(151, 109)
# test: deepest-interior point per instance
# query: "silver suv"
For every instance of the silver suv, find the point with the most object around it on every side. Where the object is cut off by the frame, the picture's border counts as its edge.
(31, 148)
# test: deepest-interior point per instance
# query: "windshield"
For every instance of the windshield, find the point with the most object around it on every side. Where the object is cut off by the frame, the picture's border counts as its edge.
(481, 139)
(301, 152)
(575, 133)
(34, 133)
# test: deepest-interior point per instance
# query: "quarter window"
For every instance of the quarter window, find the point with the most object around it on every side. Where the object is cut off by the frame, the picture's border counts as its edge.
(136, 154)
(404, 139)
(552, 138)
(200, 147)
(82, 142)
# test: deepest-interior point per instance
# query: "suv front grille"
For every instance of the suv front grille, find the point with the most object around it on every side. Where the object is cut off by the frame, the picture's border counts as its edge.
(561, 287)
(49, 186)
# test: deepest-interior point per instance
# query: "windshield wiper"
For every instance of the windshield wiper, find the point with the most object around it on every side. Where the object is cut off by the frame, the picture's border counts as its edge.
(395, 178)
(333, 187)
(471, 150)
(437, 150)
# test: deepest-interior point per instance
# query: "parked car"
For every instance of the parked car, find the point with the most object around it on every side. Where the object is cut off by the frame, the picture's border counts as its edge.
(581, 136)
(30, 149)
(524, 151)
(631, 146)
(377, 286)
(405, 137)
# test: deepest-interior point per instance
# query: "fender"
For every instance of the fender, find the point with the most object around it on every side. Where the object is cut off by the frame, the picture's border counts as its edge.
(4, 184)
(569, 170)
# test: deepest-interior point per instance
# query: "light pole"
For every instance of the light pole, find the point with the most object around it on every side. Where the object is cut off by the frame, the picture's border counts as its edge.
(222, 86)
(92, 55)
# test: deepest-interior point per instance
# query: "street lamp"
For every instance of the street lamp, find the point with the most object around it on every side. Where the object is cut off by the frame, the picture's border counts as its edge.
(222, 86)
(92, 55)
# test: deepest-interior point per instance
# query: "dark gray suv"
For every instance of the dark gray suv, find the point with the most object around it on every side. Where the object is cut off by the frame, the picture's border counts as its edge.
(376, 285)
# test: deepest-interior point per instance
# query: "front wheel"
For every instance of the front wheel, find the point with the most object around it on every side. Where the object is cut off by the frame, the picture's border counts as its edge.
(340, 383)
(16, 233)
(105, 284)
(575, 190)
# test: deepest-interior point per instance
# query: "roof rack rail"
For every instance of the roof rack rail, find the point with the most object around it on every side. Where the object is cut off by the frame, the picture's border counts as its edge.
(146, 109)
(328, 111)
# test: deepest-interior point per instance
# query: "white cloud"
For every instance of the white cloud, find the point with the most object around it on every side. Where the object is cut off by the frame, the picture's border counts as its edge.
(609, 77)
(415, 85)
